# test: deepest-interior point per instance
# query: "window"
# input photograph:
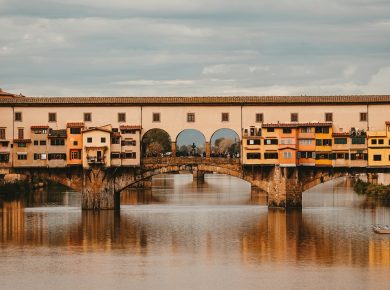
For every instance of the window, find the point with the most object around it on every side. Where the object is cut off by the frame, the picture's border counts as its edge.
(358, 140)
(285, 141)
(253, 142)
(22, 156)
(2, 133)
(358, 156)
(340, 140)
(87, 117)
(22, 145)
(115, 140)
(18, 116)
(103, 139)
(128, 131)
(89, 140)
(271, 130)
(20, 133)
(57, 142)
(373, 141)
(271, 142)
(377, 157)
(128, 143)
(287, 130)
(115, 155)
(322, 130)
(340, 155)
(363, 117)
(4, 144)
(121, 117)
(323, 142)
(287, 155)
(75, 143)
(294, 117)
(40, 156)
(225, 117)
(253, 156)
(75, 131)
(156, 117)
(40, 131)
(75, 154)
(306, 130)
(306, 141)
(4, 157)
(381, 141)
(271, 155)
(57, 156)
(328, 117)
(259, 118)
(42, 142)
(190, 117)
(306, 154)
(36, 143)
(129, 155)
(323, 156)
(52, 117)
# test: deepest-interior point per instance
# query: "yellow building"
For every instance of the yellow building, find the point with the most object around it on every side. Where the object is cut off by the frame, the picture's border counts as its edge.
(74, 143)
(323, 137)
(96, 146)
(379, 147)
(251, 146)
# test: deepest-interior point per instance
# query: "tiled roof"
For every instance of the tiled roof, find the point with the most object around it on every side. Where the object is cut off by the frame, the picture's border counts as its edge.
(22, 140)
(40, 127)
(130, 127)
(96, 129)
(4, 94)
(295, 125)
(212, 100)
(75, 125)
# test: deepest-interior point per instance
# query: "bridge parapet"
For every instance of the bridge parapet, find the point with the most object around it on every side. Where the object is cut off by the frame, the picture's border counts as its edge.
(189, 160)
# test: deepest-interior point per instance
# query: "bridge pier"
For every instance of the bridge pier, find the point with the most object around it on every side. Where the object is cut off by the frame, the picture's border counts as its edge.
(198, 175)
(98, 190)
(284, 188)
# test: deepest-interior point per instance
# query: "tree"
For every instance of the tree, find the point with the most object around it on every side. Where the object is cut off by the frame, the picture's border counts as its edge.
(156, 136)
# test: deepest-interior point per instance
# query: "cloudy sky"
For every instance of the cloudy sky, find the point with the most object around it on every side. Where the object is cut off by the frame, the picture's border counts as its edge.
(198, 47)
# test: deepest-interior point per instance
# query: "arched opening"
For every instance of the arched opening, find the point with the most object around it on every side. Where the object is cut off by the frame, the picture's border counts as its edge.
(190, 142)
(156, 142)
(225, 143)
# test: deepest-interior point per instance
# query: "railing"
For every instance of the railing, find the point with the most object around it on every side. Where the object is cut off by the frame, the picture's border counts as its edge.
(189, 160)
(95, 160)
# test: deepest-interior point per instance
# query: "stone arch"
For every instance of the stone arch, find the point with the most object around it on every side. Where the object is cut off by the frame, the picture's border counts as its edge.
(195, 143)
(156, 141)
(230, 147)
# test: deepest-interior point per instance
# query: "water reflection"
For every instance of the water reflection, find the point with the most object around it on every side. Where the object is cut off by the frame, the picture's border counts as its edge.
(219, 222)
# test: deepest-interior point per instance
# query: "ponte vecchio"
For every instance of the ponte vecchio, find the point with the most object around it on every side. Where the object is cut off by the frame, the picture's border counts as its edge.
(287, 144)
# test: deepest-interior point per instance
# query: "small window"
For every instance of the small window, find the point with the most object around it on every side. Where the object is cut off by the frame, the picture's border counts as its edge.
(363, 117)
(373, 141)
(18, 116)
(287, 155)
(287, 130)
(377, 157)
(75, 143)
(103, 140)
(306, 130)
(36, 143)
(121, 117)
(115, 140)
(2, 133)
(253, 156)
(340, 140)
(20, 133)
(270, 129)
(156, 117)
(294, 117)
(52, 117)
(87, 117)
(75, 131)
(259, 118)
(328, 117)
(42, 142)
(89, 140)
(381, 141)
(190, 117)
(225, 117)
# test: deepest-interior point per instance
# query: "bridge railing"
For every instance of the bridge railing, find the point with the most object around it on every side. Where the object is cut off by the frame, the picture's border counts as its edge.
(189, 160)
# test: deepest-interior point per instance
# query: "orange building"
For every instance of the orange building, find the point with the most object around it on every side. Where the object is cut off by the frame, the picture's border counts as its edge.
(306, 144)
(74, 143)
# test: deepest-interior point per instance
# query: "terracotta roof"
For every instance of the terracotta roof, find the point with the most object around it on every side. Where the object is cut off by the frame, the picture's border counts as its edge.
(208, 100)
(75, 125)
(341, 134)
(96, 129)
(22, 140)
(4, 94)
(295, 125)
(40, 127)
(130, 127)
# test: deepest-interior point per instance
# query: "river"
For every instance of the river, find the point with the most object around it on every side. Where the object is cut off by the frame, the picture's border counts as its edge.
(184, 235)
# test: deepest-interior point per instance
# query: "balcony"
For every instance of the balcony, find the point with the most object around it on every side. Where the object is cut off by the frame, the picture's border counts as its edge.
(95, 160)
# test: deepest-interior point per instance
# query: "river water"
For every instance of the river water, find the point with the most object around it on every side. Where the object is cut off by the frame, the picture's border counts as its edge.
(184, 235)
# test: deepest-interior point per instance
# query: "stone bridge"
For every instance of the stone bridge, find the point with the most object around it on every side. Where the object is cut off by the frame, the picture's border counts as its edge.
(100, 187)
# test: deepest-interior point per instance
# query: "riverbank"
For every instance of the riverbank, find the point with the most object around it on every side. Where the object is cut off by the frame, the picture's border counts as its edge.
(377, 191)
